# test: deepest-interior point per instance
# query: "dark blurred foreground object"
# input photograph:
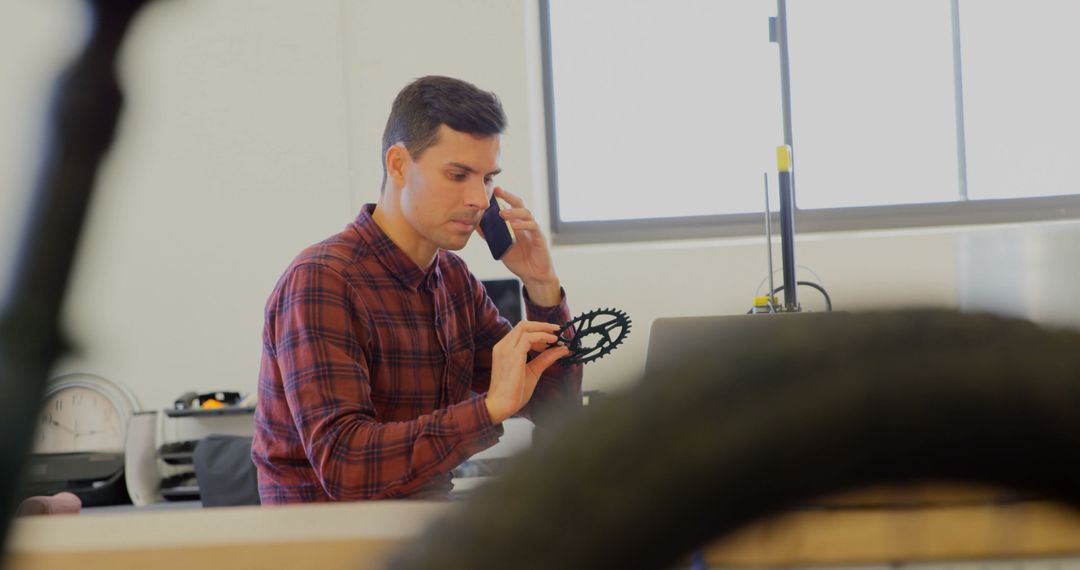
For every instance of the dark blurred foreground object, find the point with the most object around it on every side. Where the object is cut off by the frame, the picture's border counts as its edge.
(82, 122)
(769, 419)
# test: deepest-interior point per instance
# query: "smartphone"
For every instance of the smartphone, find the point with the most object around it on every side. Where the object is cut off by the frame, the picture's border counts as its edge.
(497, 231)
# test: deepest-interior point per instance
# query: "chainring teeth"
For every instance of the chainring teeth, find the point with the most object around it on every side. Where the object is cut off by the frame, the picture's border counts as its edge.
(585, 325)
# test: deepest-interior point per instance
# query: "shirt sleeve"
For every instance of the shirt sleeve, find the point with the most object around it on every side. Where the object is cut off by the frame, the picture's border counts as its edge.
(321, 336)
(559, 387)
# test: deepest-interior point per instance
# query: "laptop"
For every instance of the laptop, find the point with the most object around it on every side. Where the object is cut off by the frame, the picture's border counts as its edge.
(673, 339)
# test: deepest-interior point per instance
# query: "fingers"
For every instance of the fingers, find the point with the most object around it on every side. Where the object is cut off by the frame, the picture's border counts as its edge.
(513, 376)
(538, 340)
(517, 214)
(536, 326)
(535, 342)
(520, 333)
(521, 221)
(520, 217)
(540, 337)
(543, 345)
(525, 226)
(514, 200)
(538, 365)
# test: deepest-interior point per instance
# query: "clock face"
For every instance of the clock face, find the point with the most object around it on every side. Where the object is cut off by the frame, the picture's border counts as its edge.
(79, 419)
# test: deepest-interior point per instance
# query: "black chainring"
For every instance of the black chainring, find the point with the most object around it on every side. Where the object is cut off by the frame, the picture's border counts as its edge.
(595, 333)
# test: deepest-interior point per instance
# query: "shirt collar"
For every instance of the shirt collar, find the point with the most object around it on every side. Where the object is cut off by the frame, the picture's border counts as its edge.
(397, 264)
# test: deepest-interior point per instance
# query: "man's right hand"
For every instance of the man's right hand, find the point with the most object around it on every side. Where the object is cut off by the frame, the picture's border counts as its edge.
(513, 377)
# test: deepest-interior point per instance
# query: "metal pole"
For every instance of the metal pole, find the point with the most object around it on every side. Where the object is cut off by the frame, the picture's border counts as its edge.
(768, 242)
(958, 96)
(786, 164)
(785, 69)
(787, 229)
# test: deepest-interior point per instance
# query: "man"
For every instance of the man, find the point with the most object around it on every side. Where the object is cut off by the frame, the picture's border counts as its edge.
(385, 364)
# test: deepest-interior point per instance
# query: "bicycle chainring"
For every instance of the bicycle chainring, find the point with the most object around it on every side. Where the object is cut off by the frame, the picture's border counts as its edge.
(594, 335)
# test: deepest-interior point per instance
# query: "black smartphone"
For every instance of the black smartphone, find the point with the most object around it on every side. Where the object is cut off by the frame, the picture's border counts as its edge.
(497, 231)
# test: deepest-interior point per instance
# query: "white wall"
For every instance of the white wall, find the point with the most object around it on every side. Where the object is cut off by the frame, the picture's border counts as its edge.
(231, 157)
(253, 129)
(44, 35)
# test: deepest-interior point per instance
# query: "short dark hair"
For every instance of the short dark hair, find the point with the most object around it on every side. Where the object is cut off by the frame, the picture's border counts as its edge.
(430, 101)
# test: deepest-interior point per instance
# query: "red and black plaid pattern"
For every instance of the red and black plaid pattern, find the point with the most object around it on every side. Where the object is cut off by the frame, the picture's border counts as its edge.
(374, 372)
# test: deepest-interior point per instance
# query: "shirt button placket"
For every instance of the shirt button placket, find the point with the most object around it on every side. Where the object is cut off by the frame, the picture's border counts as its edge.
(440, 335)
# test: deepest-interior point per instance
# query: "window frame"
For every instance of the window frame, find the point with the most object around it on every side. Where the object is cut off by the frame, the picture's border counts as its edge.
(959, 212)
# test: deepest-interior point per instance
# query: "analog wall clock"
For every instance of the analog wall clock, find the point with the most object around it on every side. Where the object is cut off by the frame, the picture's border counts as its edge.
(83, 413)
(79, 442)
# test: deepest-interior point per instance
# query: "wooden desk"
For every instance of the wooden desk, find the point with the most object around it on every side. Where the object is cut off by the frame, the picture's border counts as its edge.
(905, 526)
(328, 536)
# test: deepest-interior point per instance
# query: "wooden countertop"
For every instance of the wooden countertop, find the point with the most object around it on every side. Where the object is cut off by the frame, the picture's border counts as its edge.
(881, 525)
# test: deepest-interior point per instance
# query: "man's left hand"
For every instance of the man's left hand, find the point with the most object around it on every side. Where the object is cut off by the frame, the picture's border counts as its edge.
(530, 258)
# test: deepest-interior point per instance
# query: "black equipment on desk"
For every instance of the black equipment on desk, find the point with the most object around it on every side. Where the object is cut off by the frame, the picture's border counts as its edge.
(96, 477)
(506, 294)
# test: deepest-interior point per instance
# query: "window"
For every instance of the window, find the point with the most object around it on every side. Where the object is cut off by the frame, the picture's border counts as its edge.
(661, 111)
(873, 111)
(1020, 94)
(663, 116)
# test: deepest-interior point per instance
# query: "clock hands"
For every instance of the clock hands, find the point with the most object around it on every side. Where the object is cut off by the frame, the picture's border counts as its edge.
(63, 427)
(76, 433)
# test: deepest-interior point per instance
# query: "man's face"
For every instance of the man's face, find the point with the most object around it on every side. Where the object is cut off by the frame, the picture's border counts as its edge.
(447, 189)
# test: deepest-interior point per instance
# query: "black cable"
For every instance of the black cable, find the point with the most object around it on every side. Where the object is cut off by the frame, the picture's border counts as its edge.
(828, 300)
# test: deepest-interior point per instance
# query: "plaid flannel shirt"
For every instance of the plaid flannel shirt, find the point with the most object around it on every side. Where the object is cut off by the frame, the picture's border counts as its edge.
(374, 372)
